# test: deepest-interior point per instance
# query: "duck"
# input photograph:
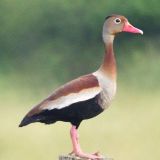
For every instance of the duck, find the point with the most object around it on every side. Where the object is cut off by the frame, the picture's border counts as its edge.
(86, 96)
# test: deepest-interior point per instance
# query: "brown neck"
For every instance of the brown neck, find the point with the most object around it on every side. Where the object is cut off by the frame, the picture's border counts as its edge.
(109, 63)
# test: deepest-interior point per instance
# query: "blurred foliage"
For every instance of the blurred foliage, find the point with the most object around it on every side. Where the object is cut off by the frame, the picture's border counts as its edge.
(46, 42)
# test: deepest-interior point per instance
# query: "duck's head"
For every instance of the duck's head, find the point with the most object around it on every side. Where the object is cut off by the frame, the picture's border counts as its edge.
(115, 24)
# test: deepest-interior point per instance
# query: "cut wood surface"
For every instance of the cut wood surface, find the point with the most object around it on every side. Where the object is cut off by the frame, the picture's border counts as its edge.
(72, 157)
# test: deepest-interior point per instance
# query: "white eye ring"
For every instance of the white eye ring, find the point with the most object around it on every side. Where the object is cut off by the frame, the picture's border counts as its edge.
(117, 20)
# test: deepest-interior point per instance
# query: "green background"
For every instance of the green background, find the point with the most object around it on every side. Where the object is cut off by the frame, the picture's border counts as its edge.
(44, 44)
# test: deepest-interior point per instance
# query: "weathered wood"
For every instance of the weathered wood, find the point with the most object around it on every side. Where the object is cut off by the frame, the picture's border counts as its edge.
(72, 157)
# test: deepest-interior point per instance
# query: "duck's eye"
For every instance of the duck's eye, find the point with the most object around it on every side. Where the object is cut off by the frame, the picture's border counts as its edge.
(117, 20)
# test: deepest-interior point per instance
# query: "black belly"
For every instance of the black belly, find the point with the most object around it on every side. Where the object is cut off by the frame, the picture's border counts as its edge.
(74, 113)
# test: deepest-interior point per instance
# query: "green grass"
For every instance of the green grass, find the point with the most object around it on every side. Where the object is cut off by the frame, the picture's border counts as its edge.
(128, 130)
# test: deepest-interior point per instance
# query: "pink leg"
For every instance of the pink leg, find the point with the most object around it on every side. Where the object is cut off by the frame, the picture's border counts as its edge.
(77, 149)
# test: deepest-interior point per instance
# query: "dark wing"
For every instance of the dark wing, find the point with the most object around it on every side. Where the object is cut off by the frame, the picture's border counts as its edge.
(80, 89)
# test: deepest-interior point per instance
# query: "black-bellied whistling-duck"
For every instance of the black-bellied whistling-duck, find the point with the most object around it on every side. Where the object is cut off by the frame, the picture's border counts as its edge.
(86, 96)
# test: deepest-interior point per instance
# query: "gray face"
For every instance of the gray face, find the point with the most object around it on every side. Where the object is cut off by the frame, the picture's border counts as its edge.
(114, 24)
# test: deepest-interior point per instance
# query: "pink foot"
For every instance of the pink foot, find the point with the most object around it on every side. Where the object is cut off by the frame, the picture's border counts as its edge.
(77, 150)
(88, 156)
(81, 154)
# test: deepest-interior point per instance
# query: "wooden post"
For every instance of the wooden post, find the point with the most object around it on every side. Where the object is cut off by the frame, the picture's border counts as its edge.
(72, 157)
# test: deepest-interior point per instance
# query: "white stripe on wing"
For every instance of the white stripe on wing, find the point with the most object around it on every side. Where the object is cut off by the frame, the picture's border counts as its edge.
(65, 101)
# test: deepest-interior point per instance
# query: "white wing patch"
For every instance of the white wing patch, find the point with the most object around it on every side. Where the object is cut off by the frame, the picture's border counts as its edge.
(65, 101)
